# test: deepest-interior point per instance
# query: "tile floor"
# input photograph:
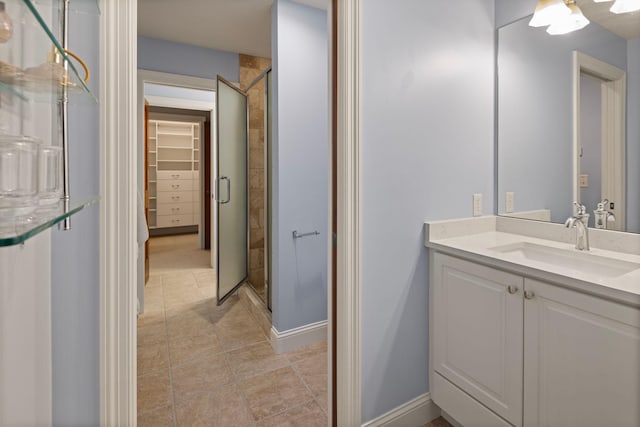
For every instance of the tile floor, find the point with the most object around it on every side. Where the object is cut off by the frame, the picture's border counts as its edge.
(203, 365)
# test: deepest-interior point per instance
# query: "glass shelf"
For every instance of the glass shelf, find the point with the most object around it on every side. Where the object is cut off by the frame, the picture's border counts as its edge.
(37, 73)
(14, 231)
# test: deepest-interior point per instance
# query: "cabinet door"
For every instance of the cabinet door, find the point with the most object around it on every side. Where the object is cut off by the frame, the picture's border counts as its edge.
(582, 360)
(478, 333)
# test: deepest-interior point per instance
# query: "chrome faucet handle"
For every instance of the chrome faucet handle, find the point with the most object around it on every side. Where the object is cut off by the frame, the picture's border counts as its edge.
(580, 209)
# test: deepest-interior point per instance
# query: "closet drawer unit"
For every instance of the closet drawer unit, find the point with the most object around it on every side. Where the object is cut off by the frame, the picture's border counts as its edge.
(175, 197)
(181, 185)
(175, 208)
(175, 175)
(175, 220)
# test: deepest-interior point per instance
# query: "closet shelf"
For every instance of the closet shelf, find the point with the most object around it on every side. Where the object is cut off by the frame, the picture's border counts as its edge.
(14, 231)
(39, 78)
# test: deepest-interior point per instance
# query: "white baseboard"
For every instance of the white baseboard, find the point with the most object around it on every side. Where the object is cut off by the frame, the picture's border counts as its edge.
(414, 413)
(298, 337)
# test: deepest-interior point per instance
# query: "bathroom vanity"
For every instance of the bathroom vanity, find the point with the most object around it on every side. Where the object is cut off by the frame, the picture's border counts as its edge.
(526, 330)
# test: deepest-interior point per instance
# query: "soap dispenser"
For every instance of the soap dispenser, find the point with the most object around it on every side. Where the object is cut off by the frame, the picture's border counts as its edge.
(601, 216)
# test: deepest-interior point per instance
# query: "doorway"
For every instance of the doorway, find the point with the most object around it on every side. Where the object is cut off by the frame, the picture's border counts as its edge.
(599, 137)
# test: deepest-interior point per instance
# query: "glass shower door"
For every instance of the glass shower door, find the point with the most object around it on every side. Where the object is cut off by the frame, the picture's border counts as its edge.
(231, 189)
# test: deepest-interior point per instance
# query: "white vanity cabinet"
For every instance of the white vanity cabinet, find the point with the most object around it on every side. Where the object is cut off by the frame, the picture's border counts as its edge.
(477, 333)
(509, 350)
(581, 359)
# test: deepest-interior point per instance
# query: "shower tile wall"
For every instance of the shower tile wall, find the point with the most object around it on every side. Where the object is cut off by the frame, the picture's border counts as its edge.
(250, 68)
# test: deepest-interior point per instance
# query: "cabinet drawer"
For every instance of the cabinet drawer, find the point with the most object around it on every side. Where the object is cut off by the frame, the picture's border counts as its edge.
(175, 196)
(175, 208)
(175, 174)
(175, 185)
(175, 220)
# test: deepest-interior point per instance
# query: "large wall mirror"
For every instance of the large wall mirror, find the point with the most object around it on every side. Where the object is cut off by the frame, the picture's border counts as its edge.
(569, 118)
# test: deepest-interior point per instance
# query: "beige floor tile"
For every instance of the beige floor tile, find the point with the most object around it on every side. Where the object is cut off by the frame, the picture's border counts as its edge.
(183, 348)
(188, 297)
(176, 281)
(199, 375)
(208, 292)
(313, 371)
(154, 391)
(307, 351)
(161, 417)
(255, 359)
(152, 357)
(189, 324)
(307, 415)
(223, 407)
(274, 392)
(152, 331)
(239, 335)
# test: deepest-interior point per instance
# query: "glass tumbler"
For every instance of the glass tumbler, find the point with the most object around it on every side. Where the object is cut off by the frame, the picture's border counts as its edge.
(50, 174)
(18, 175)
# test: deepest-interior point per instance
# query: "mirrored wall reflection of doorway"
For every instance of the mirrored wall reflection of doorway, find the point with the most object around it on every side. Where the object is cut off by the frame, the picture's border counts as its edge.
(254, 76)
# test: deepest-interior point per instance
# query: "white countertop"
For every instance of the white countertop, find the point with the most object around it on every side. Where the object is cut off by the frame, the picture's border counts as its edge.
(477, 239)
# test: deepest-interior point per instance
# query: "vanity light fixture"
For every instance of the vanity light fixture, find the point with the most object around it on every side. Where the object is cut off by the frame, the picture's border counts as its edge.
(573, 22)
(625, 6)
(548, 11)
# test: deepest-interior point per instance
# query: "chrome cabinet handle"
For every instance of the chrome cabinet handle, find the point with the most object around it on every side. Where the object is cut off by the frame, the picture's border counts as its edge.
(224, 178)
(529, 295)
(512, 289)
(175, 186)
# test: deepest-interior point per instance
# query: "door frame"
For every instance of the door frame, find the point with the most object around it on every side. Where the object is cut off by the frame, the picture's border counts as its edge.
(613, 140)
(156, 77)
(119, 151)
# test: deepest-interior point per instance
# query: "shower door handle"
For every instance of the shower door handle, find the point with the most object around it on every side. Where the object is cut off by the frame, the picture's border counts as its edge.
(219, 200)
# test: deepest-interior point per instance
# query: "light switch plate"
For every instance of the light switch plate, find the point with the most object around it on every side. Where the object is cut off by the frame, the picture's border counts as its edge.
(509, 202)
(477, 204)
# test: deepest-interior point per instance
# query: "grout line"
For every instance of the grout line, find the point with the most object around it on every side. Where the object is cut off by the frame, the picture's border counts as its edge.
(169, 364)
(313, 395)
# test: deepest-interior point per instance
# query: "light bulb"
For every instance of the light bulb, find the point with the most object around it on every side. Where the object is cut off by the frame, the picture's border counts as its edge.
(575, 21)
(6, 26)
(625, 6)
(548, 11)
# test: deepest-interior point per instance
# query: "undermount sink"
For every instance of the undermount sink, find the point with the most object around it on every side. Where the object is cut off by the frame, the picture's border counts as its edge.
(568, 259)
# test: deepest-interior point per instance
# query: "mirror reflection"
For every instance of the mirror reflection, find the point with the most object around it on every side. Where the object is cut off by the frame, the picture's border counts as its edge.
(569, 120)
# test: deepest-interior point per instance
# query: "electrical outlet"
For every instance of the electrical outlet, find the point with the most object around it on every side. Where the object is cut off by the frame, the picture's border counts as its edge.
(584, 181)
(477, 204)
(509, 202)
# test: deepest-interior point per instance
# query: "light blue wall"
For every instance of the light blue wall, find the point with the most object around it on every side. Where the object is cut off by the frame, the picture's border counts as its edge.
(535, 134)
(427, 146)
(301, 164)
(75, 257)
(633, 135)
(180, 93)
(508, 11)
(187, 60)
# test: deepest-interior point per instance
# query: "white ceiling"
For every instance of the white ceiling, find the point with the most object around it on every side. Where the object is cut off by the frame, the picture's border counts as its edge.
(242, 26)
(626, 25)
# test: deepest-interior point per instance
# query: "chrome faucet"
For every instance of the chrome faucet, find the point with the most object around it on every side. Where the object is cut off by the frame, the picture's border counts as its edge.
(601, 216)
(580, 221)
